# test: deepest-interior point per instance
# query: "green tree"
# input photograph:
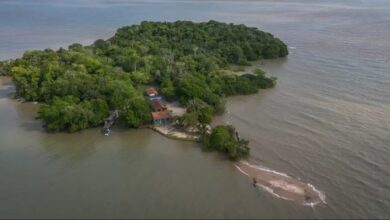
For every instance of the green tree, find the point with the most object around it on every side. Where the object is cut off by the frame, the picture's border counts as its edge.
(69, 114)
(140, 77)
(223, 139)
(137, 112)
(167, 88)
(184, 59)
(189, 120)
(27, 81)
(118, 92)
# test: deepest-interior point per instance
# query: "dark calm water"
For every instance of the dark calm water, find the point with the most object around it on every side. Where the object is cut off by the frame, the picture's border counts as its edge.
(326, 122)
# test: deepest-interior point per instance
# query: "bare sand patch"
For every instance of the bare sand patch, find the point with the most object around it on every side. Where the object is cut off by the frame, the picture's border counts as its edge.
(175, 109)
(172, 132)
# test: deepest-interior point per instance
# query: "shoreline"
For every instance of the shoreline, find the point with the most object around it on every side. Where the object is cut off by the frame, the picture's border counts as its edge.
(276, 183)
(170, 132)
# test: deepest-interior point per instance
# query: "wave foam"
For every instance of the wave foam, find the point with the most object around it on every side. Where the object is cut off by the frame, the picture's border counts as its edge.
(264, 169)
(272, 192)
(319, 193)
(239, 169)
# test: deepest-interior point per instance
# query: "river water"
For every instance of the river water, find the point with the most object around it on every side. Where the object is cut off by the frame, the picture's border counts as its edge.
(326, 122)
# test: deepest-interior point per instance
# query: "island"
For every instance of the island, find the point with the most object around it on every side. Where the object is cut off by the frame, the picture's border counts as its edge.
(170, 76)
(173, 76)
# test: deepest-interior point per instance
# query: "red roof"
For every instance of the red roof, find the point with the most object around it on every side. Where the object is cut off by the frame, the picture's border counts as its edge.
(158, 105)
(161, 115)
(151, 91)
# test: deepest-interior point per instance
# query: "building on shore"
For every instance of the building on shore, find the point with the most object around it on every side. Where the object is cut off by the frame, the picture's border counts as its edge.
(152, 93)
(161, 118)
(159, 105)
(160, 113)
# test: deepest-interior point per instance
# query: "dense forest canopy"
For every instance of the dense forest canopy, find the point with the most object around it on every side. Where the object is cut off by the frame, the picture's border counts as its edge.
(79, 85)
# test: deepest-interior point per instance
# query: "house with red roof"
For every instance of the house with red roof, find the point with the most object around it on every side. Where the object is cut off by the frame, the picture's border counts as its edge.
(161, 118)
(152, 93)
(159, 105)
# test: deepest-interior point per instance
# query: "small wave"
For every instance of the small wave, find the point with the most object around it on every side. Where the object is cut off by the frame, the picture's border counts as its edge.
(292, 48)
(265, 169)
(272, 192)
(319, 193)
(239, 169)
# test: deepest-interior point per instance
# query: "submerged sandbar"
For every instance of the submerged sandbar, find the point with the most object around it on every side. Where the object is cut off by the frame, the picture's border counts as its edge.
(281, 185)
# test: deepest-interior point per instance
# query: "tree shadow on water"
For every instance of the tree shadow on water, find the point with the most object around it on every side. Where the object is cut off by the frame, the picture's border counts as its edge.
(75, 147)
(31, 126)
(70, 147)
(27, 113)
(7, 89)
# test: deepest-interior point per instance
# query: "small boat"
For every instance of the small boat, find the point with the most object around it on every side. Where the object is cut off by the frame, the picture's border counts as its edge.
(106, 131)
